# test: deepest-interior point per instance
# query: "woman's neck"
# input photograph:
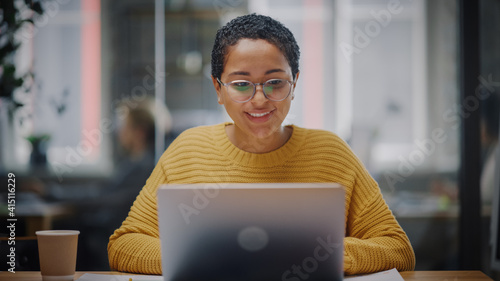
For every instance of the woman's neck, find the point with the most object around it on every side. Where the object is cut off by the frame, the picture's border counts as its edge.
(258, 145)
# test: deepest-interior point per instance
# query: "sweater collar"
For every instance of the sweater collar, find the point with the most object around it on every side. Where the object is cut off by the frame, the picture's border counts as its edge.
(274, 158)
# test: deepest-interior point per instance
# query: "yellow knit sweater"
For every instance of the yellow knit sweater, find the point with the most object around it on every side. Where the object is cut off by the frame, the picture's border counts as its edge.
(374, 240)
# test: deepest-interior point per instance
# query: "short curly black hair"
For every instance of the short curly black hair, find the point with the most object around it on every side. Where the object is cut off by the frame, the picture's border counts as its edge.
(254, 26)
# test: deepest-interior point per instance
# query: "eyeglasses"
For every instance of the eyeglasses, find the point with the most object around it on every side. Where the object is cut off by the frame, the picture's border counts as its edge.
(242, 91)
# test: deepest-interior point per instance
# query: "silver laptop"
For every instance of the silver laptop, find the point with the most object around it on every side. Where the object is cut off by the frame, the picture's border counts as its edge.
(265, 231)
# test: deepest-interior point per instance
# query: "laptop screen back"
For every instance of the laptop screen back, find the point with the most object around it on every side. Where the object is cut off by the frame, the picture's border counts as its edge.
(259, 231)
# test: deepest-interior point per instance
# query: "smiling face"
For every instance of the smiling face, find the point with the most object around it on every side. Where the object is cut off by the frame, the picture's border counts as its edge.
(256, 122)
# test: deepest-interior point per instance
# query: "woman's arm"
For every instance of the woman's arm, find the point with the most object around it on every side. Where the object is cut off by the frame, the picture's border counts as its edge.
(135, 246)
(374, 239)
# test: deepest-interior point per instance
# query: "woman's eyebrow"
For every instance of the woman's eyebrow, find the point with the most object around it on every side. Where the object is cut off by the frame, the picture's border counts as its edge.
(245, 73)
(274, 70)
(239, 73)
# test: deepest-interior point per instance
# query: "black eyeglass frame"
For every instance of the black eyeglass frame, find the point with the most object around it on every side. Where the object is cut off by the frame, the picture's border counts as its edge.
(255, 89)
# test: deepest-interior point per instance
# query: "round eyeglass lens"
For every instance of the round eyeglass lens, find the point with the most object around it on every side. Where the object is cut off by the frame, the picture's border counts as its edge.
(277, 89)
(241, 90)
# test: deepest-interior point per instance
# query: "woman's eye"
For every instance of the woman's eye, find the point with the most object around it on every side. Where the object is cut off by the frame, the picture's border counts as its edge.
(274, 82)
(241, 84)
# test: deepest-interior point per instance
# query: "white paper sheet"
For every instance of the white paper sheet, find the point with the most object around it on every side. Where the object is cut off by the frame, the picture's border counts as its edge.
(109, 277)
(388, 275)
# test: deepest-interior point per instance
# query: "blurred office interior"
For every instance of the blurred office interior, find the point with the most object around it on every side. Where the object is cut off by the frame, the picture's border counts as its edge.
(385, 75)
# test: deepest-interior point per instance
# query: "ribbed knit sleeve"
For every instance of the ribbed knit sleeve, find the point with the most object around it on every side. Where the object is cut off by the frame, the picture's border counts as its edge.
(135, 246)
(374, 240)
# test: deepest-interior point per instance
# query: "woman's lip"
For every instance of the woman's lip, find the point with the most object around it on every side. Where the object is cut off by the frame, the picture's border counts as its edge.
(258, 114)
(258, 117)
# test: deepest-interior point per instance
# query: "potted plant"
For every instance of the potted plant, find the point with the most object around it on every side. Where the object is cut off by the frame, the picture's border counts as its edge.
(14, 16)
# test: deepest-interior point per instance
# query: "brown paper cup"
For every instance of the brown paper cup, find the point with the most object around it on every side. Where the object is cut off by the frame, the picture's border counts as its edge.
(57, 252)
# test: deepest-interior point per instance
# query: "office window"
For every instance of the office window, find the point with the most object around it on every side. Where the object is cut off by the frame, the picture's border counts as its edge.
(63, 50)
(402, 93)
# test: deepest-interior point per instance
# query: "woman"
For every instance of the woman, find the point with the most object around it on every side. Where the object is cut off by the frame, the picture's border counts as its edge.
(254, 71)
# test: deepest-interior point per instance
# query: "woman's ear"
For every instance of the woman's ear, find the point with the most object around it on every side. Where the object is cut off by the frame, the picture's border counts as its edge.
(295, 84)
(217, 87)
(296, 79)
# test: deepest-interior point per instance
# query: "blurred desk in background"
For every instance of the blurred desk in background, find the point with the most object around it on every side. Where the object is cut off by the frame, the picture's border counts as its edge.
(431, 222)
(32, 216)
(29, 217)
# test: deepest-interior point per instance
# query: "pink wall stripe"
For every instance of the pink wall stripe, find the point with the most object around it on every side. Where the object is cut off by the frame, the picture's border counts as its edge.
(91, 76)
(313, 66)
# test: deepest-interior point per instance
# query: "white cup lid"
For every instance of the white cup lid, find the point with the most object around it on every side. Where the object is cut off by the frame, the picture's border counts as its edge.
(57, 232)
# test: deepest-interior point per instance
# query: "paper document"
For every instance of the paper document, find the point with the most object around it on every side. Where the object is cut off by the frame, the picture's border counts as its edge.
(388, 275)
(110, 277)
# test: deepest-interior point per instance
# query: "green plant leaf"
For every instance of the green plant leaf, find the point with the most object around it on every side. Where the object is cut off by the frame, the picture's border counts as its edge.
(37, 7)
(11, 22)
(7, 50)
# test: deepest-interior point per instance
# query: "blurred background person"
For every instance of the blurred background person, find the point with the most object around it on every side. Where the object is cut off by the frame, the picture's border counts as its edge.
(490, 123)
(100, 206)
(105, 213)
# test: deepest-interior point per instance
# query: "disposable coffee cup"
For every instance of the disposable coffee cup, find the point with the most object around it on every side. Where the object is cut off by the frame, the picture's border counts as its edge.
(57, 251)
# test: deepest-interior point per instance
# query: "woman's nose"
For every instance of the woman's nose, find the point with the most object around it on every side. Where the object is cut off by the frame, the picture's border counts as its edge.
(259, 94)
